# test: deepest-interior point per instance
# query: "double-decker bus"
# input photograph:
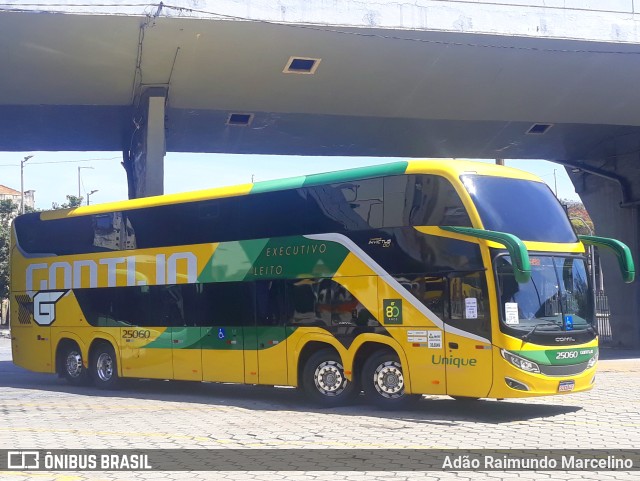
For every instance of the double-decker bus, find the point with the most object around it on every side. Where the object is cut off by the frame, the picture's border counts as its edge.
(419, 277)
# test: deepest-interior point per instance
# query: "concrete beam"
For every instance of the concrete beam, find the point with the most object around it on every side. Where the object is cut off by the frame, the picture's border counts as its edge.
(144, 162)
(613, 21)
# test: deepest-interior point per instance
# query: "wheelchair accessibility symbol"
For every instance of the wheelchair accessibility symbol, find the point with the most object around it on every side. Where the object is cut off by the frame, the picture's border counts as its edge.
(221, 334)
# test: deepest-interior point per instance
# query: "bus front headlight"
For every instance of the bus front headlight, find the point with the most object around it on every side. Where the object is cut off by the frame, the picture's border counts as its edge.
(592, 361)
(520, 362)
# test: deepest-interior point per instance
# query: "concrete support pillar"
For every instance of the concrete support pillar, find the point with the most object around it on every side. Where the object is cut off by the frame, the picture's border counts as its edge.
(144, 162)
(602, 199)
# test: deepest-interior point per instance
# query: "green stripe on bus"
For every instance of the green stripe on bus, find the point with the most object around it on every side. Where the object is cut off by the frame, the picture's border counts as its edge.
(295, 257)
(279, 258)
(279, 184)
(235, 337)
(393, 168)
(232, 261)
(556, 357)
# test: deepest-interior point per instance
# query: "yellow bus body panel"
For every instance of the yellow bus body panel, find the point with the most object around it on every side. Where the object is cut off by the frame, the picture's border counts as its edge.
(272, 364)
(224, 365)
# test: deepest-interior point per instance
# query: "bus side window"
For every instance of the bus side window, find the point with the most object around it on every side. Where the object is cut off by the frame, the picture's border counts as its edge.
(134, 307)
(309, 302)
(196, 305)
(469, 303)
(113, 231)
(99, 305)
(346, 309)
(356, 205)
(468, 296)
(433, 294)
(429, 290)
(168, 305)
(218, 304)
(270, 303)
(233, 303)
(422, 200)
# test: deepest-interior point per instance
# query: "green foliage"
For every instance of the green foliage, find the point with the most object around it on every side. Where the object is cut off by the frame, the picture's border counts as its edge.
(72, 201)
(582, 223)
(7, 211)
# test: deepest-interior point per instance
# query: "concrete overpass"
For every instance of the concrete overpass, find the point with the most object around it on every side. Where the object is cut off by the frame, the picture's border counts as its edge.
(502, 79)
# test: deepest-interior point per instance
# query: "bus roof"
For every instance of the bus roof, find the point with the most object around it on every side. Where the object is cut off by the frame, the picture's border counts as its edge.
(445, 167)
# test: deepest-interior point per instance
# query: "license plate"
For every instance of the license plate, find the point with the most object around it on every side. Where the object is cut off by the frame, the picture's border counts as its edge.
(566, 386)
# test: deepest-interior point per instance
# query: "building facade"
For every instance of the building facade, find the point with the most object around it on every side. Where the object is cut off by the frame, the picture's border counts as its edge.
(7, 193)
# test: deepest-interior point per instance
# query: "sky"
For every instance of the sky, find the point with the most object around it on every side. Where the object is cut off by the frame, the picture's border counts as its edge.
(54, 175)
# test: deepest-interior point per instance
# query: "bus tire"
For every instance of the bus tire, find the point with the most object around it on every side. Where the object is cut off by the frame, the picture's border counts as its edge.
(383, 381)
(104, 367)
(72, 365)
(324, 381)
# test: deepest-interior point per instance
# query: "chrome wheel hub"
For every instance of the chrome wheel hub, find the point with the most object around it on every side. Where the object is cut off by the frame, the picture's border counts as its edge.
(74, 364)
(104, 367)
(388, 379)
(329, 378)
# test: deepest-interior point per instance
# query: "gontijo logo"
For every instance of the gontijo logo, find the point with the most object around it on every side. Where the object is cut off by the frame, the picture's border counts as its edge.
(44, 307)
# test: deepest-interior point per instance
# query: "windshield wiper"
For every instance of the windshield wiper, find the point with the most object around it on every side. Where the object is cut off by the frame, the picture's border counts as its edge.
(526, 336)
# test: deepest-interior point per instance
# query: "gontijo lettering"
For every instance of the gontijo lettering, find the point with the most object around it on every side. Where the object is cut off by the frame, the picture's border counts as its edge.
(85, 273)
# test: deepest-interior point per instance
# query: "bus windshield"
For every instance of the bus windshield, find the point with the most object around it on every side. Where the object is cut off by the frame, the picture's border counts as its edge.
(558, 287)
(526, 209)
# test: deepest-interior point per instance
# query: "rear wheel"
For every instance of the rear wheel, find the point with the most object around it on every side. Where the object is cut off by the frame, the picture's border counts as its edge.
(72, 365)
(104, 367)
(383, 381)
(324, 381)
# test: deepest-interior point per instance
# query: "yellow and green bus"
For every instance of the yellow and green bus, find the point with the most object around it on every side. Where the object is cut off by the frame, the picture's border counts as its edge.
(418, 277)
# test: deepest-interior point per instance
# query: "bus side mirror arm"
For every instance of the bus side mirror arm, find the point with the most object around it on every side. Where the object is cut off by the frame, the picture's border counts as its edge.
(620, 249)
(517, 249)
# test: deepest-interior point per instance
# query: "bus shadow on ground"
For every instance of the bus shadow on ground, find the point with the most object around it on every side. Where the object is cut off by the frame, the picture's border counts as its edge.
(440, 410)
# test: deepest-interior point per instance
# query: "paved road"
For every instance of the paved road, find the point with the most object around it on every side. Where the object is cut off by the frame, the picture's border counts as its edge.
(43, 412)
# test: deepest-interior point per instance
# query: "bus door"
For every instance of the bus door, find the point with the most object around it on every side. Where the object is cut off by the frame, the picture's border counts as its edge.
(468, 358)
(145, 342)
(225, 308)
(266, 344)
(180, 304)
(186, 353)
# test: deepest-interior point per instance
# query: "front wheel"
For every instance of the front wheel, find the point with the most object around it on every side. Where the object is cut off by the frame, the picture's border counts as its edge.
(383, 381)
(104, 367)
(324, 381)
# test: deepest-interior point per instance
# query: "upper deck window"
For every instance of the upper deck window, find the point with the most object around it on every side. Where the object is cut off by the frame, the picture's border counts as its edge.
(422, 200)
(526, 209)
(352, 206)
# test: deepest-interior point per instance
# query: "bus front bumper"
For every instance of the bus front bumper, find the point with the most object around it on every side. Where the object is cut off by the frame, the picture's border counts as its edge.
(512, 382)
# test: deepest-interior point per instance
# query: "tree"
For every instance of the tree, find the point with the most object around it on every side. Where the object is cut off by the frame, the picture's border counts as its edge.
(8, 210)
(579, 217)
(72, 201)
